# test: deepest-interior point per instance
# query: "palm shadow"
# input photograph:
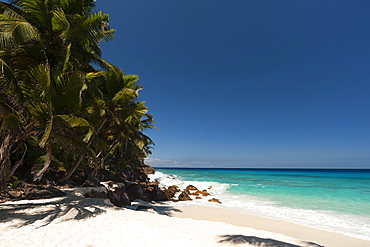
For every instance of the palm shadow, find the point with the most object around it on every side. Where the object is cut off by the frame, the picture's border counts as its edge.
(265, 242)
(43, 213)
(158, 207)
(40, 213)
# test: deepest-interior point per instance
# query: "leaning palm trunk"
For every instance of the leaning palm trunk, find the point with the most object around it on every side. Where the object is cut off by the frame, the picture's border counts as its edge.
(18, 163)
(72, 170)
(38, 176)
(7, 169)
(5, 163)
(74, 167)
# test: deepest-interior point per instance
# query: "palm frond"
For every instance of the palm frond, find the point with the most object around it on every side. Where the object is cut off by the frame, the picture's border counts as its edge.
(16, 30)
(5, 69)
(71, 138)
(38, 11)
(74, 121)
(60, 22)
(41, 76)
(47, 132)
(9, 117)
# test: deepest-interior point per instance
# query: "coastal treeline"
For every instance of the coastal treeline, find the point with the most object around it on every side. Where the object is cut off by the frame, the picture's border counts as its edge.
(63, 108)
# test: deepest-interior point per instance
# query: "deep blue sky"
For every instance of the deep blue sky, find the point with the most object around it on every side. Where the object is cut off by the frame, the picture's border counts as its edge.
(250, 83)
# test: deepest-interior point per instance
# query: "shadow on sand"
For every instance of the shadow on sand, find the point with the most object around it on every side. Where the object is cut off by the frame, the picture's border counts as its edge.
(62, 208)
(158, 207)
(265, 242)
(41, 213)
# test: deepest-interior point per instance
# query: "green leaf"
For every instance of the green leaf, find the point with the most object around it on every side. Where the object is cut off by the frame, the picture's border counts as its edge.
(74, 121)
(60, 22)
(47, 132)
(66, 59)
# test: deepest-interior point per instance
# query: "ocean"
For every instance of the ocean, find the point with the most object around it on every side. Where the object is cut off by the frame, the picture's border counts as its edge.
(327, 199)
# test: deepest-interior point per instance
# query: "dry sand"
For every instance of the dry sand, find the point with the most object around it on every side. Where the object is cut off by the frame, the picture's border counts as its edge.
(77, 221)
(324, 238)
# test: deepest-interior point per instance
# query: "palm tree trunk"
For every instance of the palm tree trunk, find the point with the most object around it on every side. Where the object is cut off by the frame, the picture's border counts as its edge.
(19, 162)
(5, 164)
(38, 176)
(74, 167)
(71, 171)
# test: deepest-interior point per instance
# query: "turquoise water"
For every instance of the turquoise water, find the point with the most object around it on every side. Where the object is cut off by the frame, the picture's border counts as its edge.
(337, 200)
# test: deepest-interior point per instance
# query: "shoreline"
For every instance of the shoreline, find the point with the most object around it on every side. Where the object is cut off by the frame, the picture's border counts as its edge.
(310, 212)
(233, 217)
(92, 222)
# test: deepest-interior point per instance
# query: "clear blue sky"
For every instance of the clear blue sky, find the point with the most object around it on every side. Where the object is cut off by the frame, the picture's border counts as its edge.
(250, 83)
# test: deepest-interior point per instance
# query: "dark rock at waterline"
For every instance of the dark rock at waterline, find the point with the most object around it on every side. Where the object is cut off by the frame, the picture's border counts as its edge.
(116, 194)
(136, 191)
(214, 200)
(174, 188)
(171, 191)
(203, 193)
(156, 194)
(191, 187)
(184, 196)
(147, 169)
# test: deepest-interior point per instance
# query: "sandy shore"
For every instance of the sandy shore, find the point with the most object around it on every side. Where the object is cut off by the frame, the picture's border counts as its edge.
(77, 221)
(296, 231)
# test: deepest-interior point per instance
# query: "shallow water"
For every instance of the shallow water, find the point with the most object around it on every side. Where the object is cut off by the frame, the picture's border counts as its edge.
(334, 200)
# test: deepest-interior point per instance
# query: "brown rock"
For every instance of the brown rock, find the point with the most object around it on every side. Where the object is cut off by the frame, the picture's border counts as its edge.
(184, 196)
(155, 193)
(191, 187)
(147, 169)
(204, 193)
(170, 193)
(44, 193)
(214, 200)
(174, 188)
(198, 197)
(154, 183)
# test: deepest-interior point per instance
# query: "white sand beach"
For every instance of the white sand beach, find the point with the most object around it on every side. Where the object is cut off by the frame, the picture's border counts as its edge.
(77, 221)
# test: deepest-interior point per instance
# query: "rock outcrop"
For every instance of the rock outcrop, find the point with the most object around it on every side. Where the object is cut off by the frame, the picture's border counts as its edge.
(136, 191)
(155, 193)
(96, 194)
(214, 200)
(147, 169)
(43, 193)
(184, 196)
(117, 194)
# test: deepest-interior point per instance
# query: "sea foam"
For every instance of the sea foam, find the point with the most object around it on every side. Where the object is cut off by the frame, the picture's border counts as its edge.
(347, 224)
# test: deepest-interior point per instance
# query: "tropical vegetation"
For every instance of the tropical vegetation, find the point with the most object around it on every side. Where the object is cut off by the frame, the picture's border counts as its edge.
(62, 106)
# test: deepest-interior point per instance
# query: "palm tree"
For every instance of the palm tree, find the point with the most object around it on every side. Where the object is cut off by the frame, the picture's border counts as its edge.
(62, 39)
(57, 24)
(129, 119)
(52, 95)
(112, 106)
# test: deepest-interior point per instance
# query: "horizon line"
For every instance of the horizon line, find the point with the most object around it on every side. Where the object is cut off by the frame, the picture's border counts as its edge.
(259, 168)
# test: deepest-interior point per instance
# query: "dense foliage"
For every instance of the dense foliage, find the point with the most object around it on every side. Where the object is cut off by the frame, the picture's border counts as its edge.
(63, 107)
